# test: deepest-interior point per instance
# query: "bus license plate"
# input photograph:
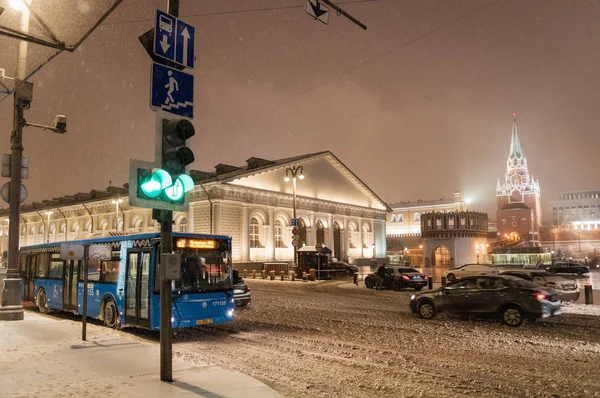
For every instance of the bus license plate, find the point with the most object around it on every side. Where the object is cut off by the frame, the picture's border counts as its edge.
(204, 321)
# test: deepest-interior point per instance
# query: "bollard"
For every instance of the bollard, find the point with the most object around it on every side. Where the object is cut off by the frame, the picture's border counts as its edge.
(589, 294)
(313, 274)
(282, 276)
(443, 281)
(253, 274)
(430, 283)
(272, 275)
(245, 273)
(304, 277)
(356, 278)
(293, 276)
(263, 274)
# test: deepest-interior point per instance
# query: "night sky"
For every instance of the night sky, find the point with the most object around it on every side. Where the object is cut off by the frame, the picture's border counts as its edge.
(418, 106)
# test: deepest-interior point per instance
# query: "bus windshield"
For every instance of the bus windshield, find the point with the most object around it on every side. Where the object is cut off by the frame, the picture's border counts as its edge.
(204, 270)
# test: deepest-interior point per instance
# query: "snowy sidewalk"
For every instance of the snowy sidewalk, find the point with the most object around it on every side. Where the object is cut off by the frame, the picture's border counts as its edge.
(44, 356)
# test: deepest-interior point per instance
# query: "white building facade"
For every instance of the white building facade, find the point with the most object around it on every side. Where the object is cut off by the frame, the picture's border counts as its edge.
(252, 204)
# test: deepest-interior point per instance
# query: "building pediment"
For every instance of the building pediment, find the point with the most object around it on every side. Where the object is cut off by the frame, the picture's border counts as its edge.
(326, 178)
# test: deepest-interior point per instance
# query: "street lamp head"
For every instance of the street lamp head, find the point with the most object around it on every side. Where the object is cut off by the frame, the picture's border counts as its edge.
(48, 213)
(16, 5)
(301, 176)
(286, 179)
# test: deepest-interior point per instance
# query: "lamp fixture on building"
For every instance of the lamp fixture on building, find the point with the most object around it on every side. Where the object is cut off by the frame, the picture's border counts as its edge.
(48, 213)
(116, 202)
(294, 172)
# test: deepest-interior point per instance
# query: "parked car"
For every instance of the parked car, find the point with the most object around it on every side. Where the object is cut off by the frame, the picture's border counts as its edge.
(350, 269)
(471, 270)
(568, 268)
(241, 291)
(397, 278)
(512, 299)
(566, 288)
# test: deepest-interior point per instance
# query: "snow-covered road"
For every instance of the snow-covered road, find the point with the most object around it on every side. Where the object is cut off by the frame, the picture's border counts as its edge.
(334, 339)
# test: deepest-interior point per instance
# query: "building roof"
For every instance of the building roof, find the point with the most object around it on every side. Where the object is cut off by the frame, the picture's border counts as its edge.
(422, 203)
(515, 143)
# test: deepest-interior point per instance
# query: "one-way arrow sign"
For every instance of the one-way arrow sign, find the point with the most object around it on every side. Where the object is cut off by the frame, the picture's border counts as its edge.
(315, 9)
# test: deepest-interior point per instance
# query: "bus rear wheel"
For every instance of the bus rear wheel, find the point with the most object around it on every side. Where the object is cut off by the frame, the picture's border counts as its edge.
(42, 301)
(110, 314)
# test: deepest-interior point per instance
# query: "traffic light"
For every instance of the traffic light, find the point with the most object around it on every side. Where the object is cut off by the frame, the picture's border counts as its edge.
(176, 156)
(163, 185)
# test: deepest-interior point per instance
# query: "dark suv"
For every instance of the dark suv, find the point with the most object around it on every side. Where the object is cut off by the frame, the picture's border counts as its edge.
(512, 299)
(241, 291)
(568, 268)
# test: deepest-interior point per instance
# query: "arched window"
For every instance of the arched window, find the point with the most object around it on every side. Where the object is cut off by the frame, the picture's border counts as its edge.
(400, 217)
(337, 234)
(279, 234)
(88, 226)
(366, 236)
(52, 232)
(417, 217)
(320, 233)
(351, 234)
(103, 225)
(182, 226)
(138, 224)
(254, 233)
(301, 232)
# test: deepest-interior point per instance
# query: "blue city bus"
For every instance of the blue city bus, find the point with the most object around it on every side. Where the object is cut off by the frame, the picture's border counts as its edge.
(125, 290)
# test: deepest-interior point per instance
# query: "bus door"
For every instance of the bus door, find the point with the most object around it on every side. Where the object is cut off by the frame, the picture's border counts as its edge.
(29, 274)
(70, 273)
(137, 292)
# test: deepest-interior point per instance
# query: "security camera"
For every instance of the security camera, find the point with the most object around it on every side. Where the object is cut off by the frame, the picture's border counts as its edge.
(60, 124)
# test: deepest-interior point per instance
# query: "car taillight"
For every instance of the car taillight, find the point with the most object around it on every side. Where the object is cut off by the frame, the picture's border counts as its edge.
(425, 277)
(405, 277)
(247, 288)
(540, 296)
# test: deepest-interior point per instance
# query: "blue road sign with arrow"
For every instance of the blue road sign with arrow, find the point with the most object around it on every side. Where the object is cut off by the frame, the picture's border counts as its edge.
(172, 91)
(174, 39)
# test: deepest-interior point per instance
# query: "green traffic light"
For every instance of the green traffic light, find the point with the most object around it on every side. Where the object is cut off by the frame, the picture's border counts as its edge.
(183, 184)
(158, 181)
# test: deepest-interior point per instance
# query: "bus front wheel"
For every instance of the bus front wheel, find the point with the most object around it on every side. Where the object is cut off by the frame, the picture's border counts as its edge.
(110, 314)
(42, 301)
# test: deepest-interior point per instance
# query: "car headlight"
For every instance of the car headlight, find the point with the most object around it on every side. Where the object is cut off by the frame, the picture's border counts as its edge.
(412, 297)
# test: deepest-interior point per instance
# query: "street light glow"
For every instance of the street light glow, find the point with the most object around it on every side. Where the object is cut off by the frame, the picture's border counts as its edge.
(286, 179)
(16, 5)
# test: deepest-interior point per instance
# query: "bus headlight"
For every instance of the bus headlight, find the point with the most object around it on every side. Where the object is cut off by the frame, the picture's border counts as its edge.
(172, 319)
(230, 314)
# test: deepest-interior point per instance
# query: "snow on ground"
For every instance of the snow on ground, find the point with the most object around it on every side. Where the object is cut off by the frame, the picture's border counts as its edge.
(581, 309)
(334, 339)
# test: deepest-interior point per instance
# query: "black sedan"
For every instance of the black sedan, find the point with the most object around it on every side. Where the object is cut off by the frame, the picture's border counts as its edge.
(512, 299)
(397, 278)
(568, 268)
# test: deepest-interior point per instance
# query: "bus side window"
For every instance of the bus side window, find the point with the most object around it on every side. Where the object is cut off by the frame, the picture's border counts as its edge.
(110, 271)
(94, 267)
(42, 270)
(56, 269)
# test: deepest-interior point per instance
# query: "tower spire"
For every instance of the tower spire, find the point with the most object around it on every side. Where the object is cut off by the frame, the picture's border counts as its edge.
(515, 144)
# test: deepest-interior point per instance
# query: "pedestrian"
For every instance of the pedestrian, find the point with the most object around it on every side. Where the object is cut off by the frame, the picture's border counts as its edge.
(380, 276)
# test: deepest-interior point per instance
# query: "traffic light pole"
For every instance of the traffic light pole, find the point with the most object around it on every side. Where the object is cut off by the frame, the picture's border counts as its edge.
(165, 218)
(11, 309)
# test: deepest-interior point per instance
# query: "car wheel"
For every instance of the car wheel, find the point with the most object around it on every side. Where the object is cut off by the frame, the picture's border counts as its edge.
(426, 310)
(110, 314)
(42, 301)
(418, 288)
(369, 284)
(395, 286)
(579, 272)
(512, 316)
(451, 277)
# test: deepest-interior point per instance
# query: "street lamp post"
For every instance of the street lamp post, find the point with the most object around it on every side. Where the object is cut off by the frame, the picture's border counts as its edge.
(48, 213)
(290, 174)
(11, 309)
(116, 202)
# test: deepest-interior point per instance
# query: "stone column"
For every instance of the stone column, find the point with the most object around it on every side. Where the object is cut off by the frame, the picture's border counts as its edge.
(360, 239)
(217, 217)
(312, 240)
(345, 237)
(329, 233)
(245, 233)
(190, 218)
(112, 224)
(126, 221)
(271, 235)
